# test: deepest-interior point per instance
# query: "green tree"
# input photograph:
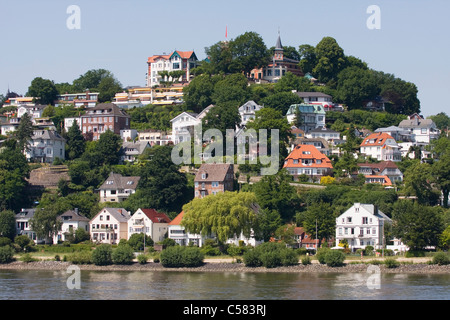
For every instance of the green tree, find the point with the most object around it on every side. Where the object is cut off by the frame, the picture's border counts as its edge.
(220, 58)
(417, 225)
(354, 85)
(248, 52)
(281, 101)
(14, 171)
(442, 120)
(330, 60)
(24, 132)
(232, 89)
(100, 80)
(308, 58)
(275, 193)
(102, 255)
(45, 223)
(418, 181)
(138, 240)
(198, 94)
(75, 144)
(318, 217)
(441, 173)
(7, 224)
(225, 215)
(108, 147)
(43, 90)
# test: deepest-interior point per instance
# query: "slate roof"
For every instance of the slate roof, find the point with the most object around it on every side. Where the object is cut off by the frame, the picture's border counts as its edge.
(108, 109)
(117, 181)
(72, 215)
(47, 135)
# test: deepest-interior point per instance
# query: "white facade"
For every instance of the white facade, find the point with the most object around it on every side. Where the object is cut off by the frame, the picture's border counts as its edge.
(313, 116)
(110, 225)
(68, 123)
(128, 134)
(150, 222)
(362, 225)
(34, 111)
(247, 111)
(421, 130)
(46, 146)
(71, 221)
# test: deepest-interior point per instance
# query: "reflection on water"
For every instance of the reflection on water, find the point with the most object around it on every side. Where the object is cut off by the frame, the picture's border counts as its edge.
(99, 285)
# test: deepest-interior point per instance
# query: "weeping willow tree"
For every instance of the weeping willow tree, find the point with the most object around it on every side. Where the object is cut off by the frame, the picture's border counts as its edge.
(224, 215)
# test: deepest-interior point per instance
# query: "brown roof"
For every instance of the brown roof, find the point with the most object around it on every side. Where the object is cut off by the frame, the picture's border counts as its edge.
(107, 109)
(155, 216)
(214, 171)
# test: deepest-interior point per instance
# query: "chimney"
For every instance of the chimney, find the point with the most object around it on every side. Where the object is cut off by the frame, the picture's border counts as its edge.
(76, 210)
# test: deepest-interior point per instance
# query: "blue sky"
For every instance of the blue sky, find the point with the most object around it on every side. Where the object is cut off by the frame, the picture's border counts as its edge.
(413, 42)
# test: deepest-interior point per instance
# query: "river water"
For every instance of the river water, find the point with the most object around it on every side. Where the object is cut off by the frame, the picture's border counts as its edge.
(170, 285)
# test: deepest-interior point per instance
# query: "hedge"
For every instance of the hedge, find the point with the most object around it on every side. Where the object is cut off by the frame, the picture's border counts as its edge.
(180, 256)
(270, 255)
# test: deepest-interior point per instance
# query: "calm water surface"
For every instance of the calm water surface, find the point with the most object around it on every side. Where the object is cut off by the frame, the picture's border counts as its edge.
(99, 285)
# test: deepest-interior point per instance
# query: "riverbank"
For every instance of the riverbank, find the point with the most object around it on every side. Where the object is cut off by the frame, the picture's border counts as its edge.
(228, 266)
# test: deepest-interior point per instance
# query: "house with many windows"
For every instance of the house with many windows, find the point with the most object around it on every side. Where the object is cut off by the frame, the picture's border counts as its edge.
(46, 146)
(386, 172)
(183, 124)
(117, 188)
(110, 225)
(178, 60)
(103, 117)
(71, 220)
(306, 160)
(150, 222)
(312, 116)
(85, 99)
(420, 129)
(181, 236)
(212, 178)
(362, 225)
(23, 225)
(381, 146)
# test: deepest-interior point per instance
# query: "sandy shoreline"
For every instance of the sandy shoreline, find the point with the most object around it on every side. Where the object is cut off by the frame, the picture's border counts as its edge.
(220, 266)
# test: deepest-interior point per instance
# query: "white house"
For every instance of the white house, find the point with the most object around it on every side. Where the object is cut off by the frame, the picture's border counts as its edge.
(178, 233)
(421, 130)
(69, 121)
(128, 134)
(34, 111)
(316, 98)
(71, 221)
(117, 188)
(183, 125)
(131, 150)
(9, 126)
(110, 225)
(313, 116)
(46, 146)
(325, 133)
(247, 111)
(149, 221)
(381, 146)
(362, 225)
(23, 226)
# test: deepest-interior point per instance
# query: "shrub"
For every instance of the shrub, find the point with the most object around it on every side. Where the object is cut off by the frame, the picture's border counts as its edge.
(123, 255)
(415, 253)
(6, 254)
(288, 257)
(57, 258)
(368, 251)
(136, 241)
(391, 263)
(270, 259)
(441, 259)
(79, 257)
(210, 251)
(142, 258)
(156, 258)
(320, 255)
(179, 256)
(334, 258)
(4, 241)
(301, 251)
(252, 259)
(23, 242)
(270, 255)
(306, 260)
(234, 250)
(28, 258)
(102, 255)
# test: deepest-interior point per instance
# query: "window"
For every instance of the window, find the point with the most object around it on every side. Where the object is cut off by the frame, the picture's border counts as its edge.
(365, 220)
(101, 218)
(349, 219)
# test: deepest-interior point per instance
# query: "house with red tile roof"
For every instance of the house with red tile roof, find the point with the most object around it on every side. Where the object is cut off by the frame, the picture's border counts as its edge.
(381, 146)
(178, 233)
(308, 160)
(177, 60)
(387, 170)
(149, 221)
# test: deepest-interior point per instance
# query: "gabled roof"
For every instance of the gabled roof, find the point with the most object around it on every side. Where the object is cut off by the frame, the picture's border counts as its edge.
(381, 166)
(117, 181)
(376, 139)
(139, 146)
(110, 109)
(417, 123)
(158, 56)
(214, 171)
(26, 213)
(177, 220)
(120, 214)
(322, 130)
(47, 135)
(193, 115)
(155, 216)
(305, 151)
(184, 54)
(73, 215)
(312, 94)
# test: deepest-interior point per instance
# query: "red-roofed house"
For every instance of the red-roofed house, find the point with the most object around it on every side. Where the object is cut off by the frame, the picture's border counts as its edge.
(179, 234)
(307, 160)
(213, 178)
(149, 221)
(386, 169)
(177, 60)
(381, 146)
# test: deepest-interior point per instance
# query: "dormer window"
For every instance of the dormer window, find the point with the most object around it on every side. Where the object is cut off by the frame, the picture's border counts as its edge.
(203, 176)
(109, 182)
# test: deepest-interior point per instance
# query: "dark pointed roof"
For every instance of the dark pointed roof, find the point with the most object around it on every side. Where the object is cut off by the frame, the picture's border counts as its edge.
(279, 46)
